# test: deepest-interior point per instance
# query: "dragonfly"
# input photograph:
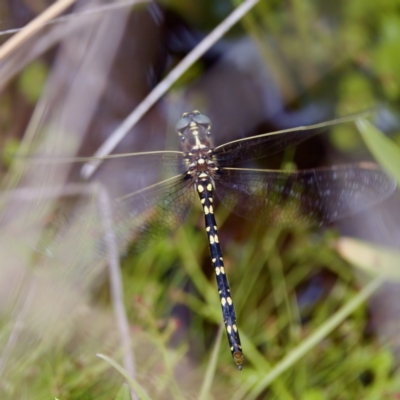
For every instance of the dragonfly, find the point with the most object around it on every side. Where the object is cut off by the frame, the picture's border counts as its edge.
(202, 170)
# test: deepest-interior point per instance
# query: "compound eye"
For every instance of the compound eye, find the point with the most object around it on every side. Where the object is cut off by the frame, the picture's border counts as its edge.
(202, 119)
(182, 124)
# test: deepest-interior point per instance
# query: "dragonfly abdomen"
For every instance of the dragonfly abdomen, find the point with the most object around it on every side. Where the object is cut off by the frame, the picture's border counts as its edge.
(205, 191)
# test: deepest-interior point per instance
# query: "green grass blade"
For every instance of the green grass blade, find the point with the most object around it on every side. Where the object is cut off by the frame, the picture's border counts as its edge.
(279, 387)
(370, 257)
(133, 384)
(384, 150)
(123, 393)
(317, 336)
(212, 365)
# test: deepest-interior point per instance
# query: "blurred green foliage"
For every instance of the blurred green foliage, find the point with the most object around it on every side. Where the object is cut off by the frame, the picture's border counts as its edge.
(9, 150)
(32, 80)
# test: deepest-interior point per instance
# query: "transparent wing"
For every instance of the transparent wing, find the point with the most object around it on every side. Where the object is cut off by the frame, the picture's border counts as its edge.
(271, 143)
(138, 163)
(155, 211)
(316, 195)
(140, 170)
(170, 161)
(141, 217)
(170, 158)
(121, 173)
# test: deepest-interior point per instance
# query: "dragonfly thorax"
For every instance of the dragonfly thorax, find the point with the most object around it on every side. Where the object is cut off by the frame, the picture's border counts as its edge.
(194, 130)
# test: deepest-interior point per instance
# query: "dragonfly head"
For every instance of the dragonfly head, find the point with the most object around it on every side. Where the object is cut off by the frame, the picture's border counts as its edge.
(194, 129)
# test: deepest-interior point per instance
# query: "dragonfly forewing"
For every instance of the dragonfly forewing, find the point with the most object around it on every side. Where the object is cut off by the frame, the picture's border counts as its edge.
(267, 144)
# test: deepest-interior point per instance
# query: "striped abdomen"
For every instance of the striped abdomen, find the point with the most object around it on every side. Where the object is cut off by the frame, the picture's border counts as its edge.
(205, 191)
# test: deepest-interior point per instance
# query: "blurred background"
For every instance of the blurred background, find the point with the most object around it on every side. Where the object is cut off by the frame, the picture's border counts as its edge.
(64, 92)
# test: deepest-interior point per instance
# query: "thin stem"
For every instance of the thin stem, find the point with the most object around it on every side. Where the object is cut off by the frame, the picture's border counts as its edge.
(34, 26)
(116, 290)
(109, 145)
